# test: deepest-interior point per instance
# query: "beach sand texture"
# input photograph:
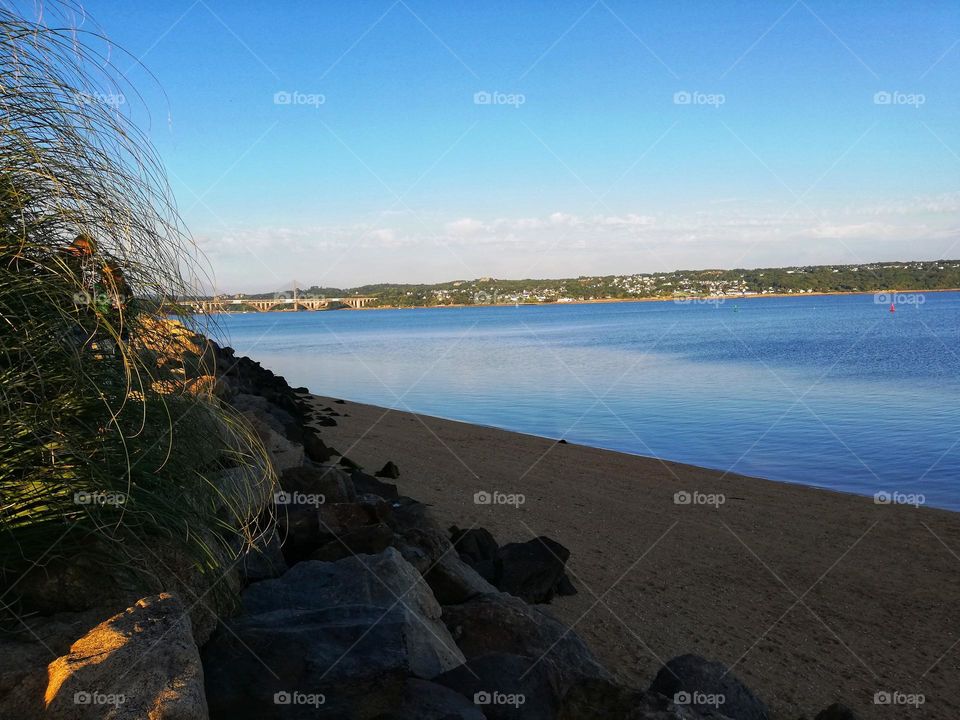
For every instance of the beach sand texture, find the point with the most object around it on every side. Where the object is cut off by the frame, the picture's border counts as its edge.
(810, 596)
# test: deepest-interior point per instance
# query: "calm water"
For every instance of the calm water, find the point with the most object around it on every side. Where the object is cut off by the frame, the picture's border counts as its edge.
(827, 391)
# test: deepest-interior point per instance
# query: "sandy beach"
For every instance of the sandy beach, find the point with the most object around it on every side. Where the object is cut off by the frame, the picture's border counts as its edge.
(810, 596)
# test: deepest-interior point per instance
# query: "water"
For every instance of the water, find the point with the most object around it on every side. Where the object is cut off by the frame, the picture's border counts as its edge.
(828, 391)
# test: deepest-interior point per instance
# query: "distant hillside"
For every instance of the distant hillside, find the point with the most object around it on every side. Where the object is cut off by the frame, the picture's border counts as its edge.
(932, 275)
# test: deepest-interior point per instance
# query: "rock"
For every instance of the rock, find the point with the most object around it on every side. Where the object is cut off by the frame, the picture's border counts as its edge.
(688, 677)
(565, 587)
(140, 663)
(325, 421)
(25, 653)
(263, 561)
(369, 484)
(506, 686)
(454, 582)
(478, 549)
(532, 570)
(68, 585)
(327, 480)
(340, 402)
(315, 448)
(500, 622)
(389, 470)
(409, 514)
(301, 391)
(368, 539)
(347, 462)
(837, 711)
(278, 419)
(244, 493)
(425, 700)
(305, 527)
(344, 662)
(592, 699)
(383, 581)
(282, 452)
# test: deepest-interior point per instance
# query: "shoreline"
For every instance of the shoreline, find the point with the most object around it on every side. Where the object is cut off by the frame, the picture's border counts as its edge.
(810, 595)
(654, 458)
(680, 299)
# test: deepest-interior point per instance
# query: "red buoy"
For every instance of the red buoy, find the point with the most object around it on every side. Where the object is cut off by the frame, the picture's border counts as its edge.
(893, 308)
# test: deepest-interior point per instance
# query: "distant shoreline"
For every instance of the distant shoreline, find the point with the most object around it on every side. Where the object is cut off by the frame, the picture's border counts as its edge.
(685, 298)
(680, 299)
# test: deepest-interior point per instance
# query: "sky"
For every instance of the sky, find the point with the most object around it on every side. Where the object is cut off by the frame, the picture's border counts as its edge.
(345, 143)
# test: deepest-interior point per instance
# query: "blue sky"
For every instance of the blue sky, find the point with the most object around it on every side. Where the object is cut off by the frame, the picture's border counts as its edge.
(619, 137)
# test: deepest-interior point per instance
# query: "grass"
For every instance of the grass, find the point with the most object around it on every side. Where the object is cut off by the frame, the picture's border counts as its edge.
(107, 453)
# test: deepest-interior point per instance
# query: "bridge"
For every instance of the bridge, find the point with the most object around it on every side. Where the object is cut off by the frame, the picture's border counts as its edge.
(284, 303)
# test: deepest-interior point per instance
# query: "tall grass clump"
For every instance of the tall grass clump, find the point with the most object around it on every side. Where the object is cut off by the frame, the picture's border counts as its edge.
(110, 458)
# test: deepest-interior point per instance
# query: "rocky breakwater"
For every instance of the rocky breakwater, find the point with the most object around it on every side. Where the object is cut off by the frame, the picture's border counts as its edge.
(356, 604)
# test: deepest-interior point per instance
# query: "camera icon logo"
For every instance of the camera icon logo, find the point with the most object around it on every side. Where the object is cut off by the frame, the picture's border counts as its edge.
(882, 697)
(882, 498)
(481, 698)
(682, 98)
(882, 98)
(282, 698)
(682, 498)
(282, 98)
(482, 497)
(482, 98)
(682, 698)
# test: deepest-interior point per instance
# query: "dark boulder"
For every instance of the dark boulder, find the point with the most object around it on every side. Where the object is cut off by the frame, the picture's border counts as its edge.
(425, 700)
(532, 570)
(315, 448)
(311, 479)
(592, 699)
(389, 470)
(347, 661)
(503, 623)
(690, 680)
(837, 711)
(506, 687)
(263, 560)
(477, 548)
(365, 483)
(454, 582)
(367, 539)
(384, 581)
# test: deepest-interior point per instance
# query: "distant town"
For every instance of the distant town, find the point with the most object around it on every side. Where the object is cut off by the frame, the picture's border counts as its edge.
(872, 277)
